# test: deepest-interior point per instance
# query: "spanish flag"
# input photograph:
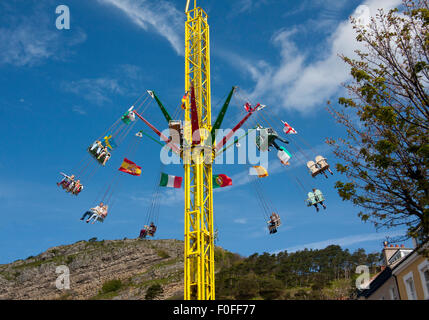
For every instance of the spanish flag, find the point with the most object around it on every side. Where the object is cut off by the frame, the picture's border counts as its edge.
(130, 168)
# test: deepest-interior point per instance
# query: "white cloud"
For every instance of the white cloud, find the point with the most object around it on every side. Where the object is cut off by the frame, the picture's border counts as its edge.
(78, 110)
(345, 241)
(160, 16)
(240, 221)
(299, 84)
(166, 197)
(123, 80)
(247, 5)
(95, 90)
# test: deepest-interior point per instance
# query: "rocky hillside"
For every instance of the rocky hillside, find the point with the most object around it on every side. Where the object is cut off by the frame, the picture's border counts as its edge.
(110, 269)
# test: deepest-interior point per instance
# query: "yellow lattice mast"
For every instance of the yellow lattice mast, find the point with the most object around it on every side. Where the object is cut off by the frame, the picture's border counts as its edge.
(199, 240)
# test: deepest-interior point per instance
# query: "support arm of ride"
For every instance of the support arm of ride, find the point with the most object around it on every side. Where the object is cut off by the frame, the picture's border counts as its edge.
(161, 106)
(172, 146)
(238, 126)
(221, 115)
(196, 138)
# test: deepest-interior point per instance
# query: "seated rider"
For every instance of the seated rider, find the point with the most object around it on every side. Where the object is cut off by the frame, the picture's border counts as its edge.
(319, 198)
(152, 229)
(96, 144)
(91, 211)
(101, 215)
(272, 223)
(70, 186)
(66, 181)
(143, 232)
(77, 188)
(105, 153)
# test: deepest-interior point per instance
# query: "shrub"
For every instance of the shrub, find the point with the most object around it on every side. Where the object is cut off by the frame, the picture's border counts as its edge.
(163, 254)
(111, 286)
(153, 291)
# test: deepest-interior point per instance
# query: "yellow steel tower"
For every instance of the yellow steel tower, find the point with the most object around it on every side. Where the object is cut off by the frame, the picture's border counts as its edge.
(199, 240)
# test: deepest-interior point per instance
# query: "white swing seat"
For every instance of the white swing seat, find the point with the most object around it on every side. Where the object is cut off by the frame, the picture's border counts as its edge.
(312, 167)
(322, 163)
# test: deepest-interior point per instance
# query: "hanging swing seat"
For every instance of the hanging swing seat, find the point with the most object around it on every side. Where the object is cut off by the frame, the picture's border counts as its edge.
(274, 223)
(314, 198)
(284, 156)
(265, 138)
(323, 164)
(128, 116)
(99, 152)
(176, 131)
(313, 168)
(147, 231)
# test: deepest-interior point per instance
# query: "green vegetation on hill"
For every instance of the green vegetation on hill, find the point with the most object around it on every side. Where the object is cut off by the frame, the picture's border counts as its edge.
(309, 274)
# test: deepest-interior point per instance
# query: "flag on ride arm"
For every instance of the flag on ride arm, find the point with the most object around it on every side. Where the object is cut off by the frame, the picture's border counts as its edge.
(288, 129)
(259, 171)
(170, 181)
(130, 167)
(221, 180)
(109, 142)
(185, 97)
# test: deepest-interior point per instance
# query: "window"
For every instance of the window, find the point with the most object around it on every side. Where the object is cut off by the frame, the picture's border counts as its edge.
(424, 276)
(409, 286)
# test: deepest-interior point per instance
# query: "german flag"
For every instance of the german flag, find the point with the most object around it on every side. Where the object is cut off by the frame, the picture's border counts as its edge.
(130, 167)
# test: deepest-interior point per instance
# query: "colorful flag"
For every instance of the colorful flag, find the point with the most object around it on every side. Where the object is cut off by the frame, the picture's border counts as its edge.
(259, 171)
(247, 107)
(109, 142)
(130, 167)
(170, 181)
(221, 180)
(288, 129)
(185, 97)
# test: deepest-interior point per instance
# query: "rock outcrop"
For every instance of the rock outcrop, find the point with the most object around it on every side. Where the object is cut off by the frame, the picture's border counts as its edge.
(108, 269)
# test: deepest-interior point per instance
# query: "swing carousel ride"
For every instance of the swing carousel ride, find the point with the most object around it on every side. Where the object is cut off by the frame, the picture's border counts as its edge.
(193, 139)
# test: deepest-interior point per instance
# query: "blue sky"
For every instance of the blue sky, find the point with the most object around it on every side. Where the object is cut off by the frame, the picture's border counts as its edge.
(61, 89)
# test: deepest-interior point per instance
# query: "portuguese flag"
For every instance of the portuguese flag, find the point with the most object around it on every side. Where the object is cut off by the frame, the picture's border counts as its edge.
(170, 181)
(221, 180)
(130, 167)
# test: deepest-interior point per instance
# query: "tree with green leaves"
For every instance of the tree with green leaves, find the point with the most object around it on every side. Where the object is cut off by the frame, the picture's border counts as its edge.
(384, 157)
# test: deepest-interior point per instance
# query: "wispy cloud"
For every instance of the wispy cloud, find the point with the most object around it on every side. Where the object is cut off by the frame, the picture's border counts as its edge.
(240, 221)
(30, 40)
(79, 110)
(247, 5)
(168, 197)
(95, 90)
(345, 241)
(160, 16)
(297, 82)
(123, 80)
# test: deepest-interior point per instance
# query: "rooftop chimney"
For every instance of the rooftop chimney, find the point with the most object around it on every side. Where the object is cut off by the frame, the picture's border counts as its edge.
(388, 252)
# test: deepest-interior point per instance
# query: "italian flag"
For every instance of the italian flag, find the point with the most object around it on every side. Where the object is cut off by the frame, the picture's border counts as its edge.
(170, 181)
(221, 180)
